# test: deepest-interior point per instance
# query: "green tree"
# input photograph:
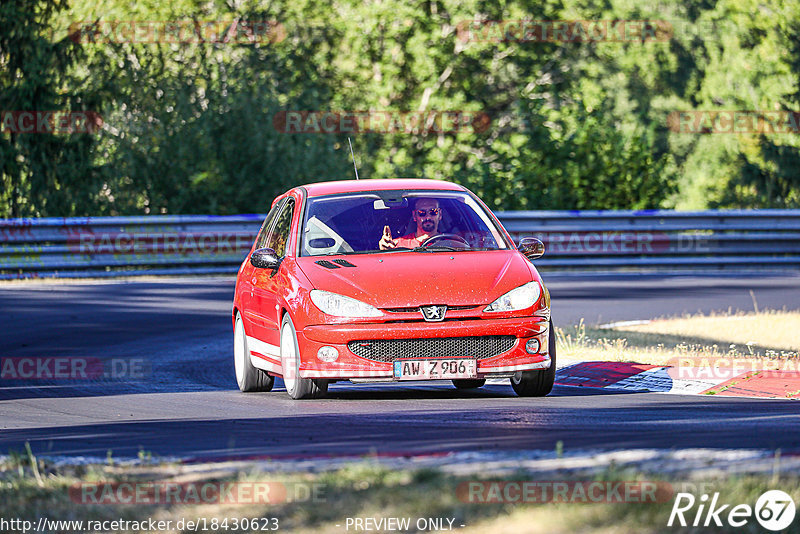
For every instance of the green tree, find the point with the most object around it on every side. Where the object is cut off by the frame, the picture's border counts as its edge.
(42, 174)
(574, 125)
(190, 126)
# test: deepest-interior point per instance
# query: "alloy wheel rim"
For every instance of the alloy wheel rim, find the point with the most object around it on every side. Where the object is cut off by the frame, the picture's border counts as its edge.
(238, 351)
(289, 359)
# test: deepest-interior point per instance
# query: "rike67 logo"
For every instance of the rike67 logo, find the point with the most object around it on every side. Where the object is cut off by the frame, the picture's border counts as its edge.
(774, 510)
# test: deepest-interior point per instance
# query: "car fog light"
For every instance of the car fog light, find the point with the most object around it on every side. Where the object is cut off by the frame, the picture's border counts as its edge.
(532, 346)
(327, 354)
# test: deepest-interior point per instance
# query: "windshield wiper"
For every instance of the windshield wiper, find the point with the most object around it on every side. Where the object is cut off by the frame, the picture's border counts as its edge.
(438, 248)
(397, 249)
(337, 253)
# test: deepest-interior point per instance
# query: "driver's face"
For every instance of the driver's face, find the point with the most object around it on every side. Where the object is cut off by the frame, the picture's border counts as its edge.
(427, 215)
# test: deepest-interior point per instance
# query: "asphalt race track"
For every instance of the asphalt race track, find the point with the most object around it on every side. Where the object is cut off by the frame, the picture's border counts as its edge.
(183, 399)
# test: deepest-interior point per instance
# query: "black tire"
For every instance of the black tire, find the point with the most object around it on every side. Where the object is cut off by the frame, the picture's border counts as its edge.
(469, 383)
(248, 377)
(297, 388)
(538, 383)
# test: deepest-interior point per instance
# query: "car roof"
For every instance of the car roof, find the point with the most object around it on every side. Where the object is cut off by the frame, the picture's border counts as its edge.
(356, 186)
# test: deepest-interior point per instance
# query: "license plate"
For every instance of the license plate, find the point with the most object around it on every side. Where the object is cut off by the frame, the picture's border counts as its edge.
(430, 369)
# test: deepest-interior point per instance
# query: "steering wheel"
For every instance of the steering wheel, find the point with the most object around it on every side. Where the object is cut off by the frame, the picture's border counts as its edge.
(441, 237)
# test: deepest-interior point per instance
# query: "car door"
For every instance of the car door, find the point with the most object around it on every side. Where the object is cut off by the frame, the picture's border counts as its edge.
(247, 278)
(268, 283)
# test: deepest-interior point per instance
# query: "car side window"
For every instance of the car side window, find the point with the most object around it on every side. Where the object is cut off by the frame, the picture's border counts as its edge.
(263, 234)
(279, 235)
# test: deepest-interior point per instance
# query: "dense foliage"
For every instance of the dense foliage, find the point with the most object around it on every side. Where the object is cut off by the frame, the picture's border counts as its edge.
(191, 127)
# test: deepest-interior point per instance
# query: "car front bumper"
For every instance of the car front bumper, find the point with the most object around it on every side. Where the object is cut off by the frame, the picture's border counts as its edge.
(349, 365)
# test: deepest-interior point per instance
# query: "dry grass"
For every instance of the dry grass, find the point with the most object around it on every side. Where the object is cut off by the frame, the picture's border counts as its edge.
(767, 334)
(777, 330)
(361, 490)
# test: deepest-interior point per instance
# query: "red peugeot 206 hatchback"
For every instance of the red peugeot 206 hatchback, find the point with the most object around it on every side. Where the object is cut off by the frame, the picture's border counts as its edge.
(386, 281)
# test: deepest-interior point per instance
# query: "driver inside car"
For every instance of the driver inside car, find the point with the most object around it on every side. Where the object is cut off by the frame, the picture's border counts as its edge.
(426, 215)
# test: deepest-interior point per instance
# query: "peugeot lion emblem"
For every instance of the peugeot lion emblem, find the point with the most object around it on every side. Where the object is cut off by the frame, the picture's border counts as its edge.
(433, 313)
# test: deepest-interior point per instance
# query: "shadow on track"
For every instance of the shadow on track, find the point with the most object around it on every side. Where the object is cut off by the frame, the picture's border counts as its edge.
(603, 422)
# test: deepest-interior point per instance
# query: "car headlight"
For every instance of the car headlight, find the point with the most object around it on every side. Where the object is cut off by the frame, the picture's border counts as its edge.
(341, 306)
(520, 298)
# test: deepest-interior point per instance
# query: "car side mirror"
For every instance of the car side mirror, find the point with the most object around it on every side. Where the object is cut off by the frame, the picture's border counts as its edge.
(265, 258)
(532, 248)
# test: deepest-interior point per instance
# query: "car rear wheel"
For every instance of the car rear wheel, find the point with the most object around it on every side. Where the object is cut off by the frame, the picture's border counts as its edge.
(248, 377)
(540, 382)
(469, 383)
(296, 387)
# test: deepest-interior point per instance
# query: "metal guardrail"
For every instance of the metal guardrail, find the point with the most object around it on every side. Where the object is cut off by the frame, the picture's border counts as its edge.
(574, 240)
(744, 240)
(80, 247)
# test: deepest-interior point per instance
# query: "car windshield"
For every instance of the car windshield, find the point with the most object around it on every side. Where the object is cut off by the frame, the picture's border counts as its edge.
(355, 223)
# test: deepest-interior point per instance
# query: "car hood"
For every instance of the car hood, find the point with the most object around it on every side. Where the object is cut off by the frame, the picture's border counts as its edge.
(403, 279)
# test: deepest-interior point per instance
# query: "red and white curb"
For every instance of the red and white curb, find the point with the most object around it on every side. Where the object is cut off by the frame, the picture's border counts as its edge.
(728, 382)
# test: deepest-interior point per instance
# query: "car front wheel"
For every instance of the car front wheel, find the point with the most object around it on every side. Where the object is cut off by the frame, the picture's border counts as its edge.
(540, 382)
(248, 377)
(296, 387)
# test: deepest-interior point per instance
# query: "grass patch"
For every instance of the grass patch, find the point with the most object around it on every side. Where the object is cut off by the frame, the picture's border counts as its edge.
(766, 334)
(768, 330)
(363, 490)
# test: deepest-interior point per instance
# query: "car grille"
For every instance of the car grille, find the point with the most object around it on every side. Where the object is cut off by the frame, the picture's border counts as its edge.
(387, 350)
(413, 309)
